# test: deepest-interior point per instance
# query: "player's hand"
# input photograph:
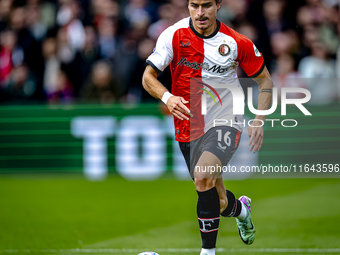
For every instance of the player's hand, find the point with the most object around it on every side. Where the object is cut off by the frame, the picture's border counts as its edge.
(256, 136)
(176, 106)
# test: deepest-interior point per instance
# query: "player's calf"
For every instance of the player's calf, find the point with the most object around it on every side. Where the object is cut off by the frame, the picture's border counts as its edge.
(234, 207)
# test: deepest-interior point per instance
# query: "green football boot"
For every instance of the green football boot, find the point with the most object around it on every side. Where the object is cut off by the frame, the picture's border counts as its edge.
(246, 228)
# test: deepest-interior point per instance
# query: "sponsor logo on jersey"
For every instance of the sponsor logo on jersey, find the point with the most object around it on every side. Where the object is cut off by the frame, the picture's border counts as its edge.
(224, 49)
(192, 65)
(257, 52)
(218, 69)
(185, 44)
(205, 66)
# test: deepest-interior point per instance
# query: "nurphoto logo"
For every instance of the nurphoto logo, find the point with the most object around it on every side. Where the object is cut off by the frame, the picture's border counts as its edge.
(238, 102)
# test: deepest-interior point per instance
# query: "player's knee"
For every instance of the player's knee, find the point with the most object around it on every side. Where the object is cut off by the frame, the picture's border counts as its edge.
(203, 184)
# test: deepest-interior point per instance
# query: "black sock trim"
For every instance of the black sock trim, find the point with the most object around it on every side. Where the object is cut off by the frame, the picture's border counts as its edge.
(238, 208)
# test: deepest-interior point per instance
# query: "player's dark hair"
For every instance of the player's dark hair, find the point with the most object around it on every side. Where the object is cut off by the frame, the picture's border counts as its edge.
(215, 1)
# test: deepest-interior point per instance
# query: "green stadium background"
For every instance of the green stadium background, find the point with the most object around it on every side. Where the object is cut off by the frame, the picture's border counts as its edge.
(39, 138)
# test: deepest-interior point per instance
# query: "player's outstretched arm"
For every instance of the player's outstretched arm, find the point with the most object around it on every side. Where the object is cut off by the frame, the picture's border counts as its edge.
(264, 101)
(176, 105)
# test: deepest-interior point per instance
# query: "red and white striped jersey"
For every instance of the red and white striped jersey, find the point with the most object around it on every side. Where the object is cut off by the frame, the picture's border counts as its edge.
(197, 60)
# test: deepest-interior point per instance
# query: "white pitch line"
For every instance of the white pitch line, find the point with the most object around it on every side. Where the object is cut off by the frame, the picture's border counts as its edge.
(172, 250)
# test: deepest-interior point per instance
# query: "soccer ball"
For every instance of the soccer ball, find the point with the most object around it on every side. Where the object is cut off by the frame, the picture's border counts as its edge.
(148, 253)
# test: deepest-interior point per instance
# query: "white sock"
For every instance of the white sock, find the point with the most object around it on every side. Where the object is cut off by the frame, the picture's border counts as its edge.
(208, 251)
(243, 213)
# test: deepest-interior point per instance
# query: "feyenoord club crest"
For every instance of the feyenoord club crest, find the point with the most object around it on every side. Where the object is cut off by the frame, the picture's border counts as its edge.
(224, 49)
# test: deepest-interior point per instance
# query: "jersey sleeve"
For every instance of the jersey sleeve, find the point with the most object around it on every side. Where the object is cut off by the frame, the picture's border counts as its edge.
(249, 57)
(162, 55)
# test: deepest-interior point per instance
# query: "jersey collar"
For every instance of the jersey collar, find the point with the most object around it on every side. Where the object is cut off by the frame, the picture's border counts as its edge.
(202, 36)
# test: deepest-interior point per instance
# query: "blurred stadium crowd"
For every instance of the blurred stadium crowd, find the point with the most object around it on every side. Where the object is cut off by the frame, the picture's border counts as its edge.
(94, 51)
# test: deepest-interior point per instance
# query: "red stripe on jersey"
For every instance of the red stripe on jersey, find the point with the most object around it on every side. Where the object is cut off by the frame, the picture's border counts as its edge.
(185, 68)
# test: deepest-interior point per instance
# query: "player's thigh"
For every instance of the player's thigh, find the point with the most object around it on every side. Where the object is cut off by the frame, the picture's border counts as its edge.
(207, 166)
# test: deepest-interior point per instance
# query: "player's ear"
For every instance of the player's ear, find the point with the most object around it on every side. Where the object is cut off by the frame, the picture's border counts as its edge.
(218, 5)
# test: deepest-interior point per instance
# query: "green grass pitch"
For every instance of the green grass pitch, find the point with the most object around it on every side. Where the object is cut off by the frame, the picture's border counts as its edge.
(57, 215)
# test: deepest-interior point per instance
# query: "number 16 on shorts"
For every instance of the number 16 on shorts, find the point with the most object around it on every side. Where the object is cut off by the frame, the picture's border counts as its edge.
(226, 138)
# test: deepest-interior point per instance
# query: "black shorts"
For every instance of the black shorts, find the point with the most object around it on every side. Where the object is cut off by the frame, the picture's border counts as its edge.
(221, 141)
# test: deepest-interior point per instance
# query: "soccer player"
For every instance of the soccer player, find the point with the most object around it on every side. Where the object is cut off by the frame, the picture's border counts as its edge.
(203, 54)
